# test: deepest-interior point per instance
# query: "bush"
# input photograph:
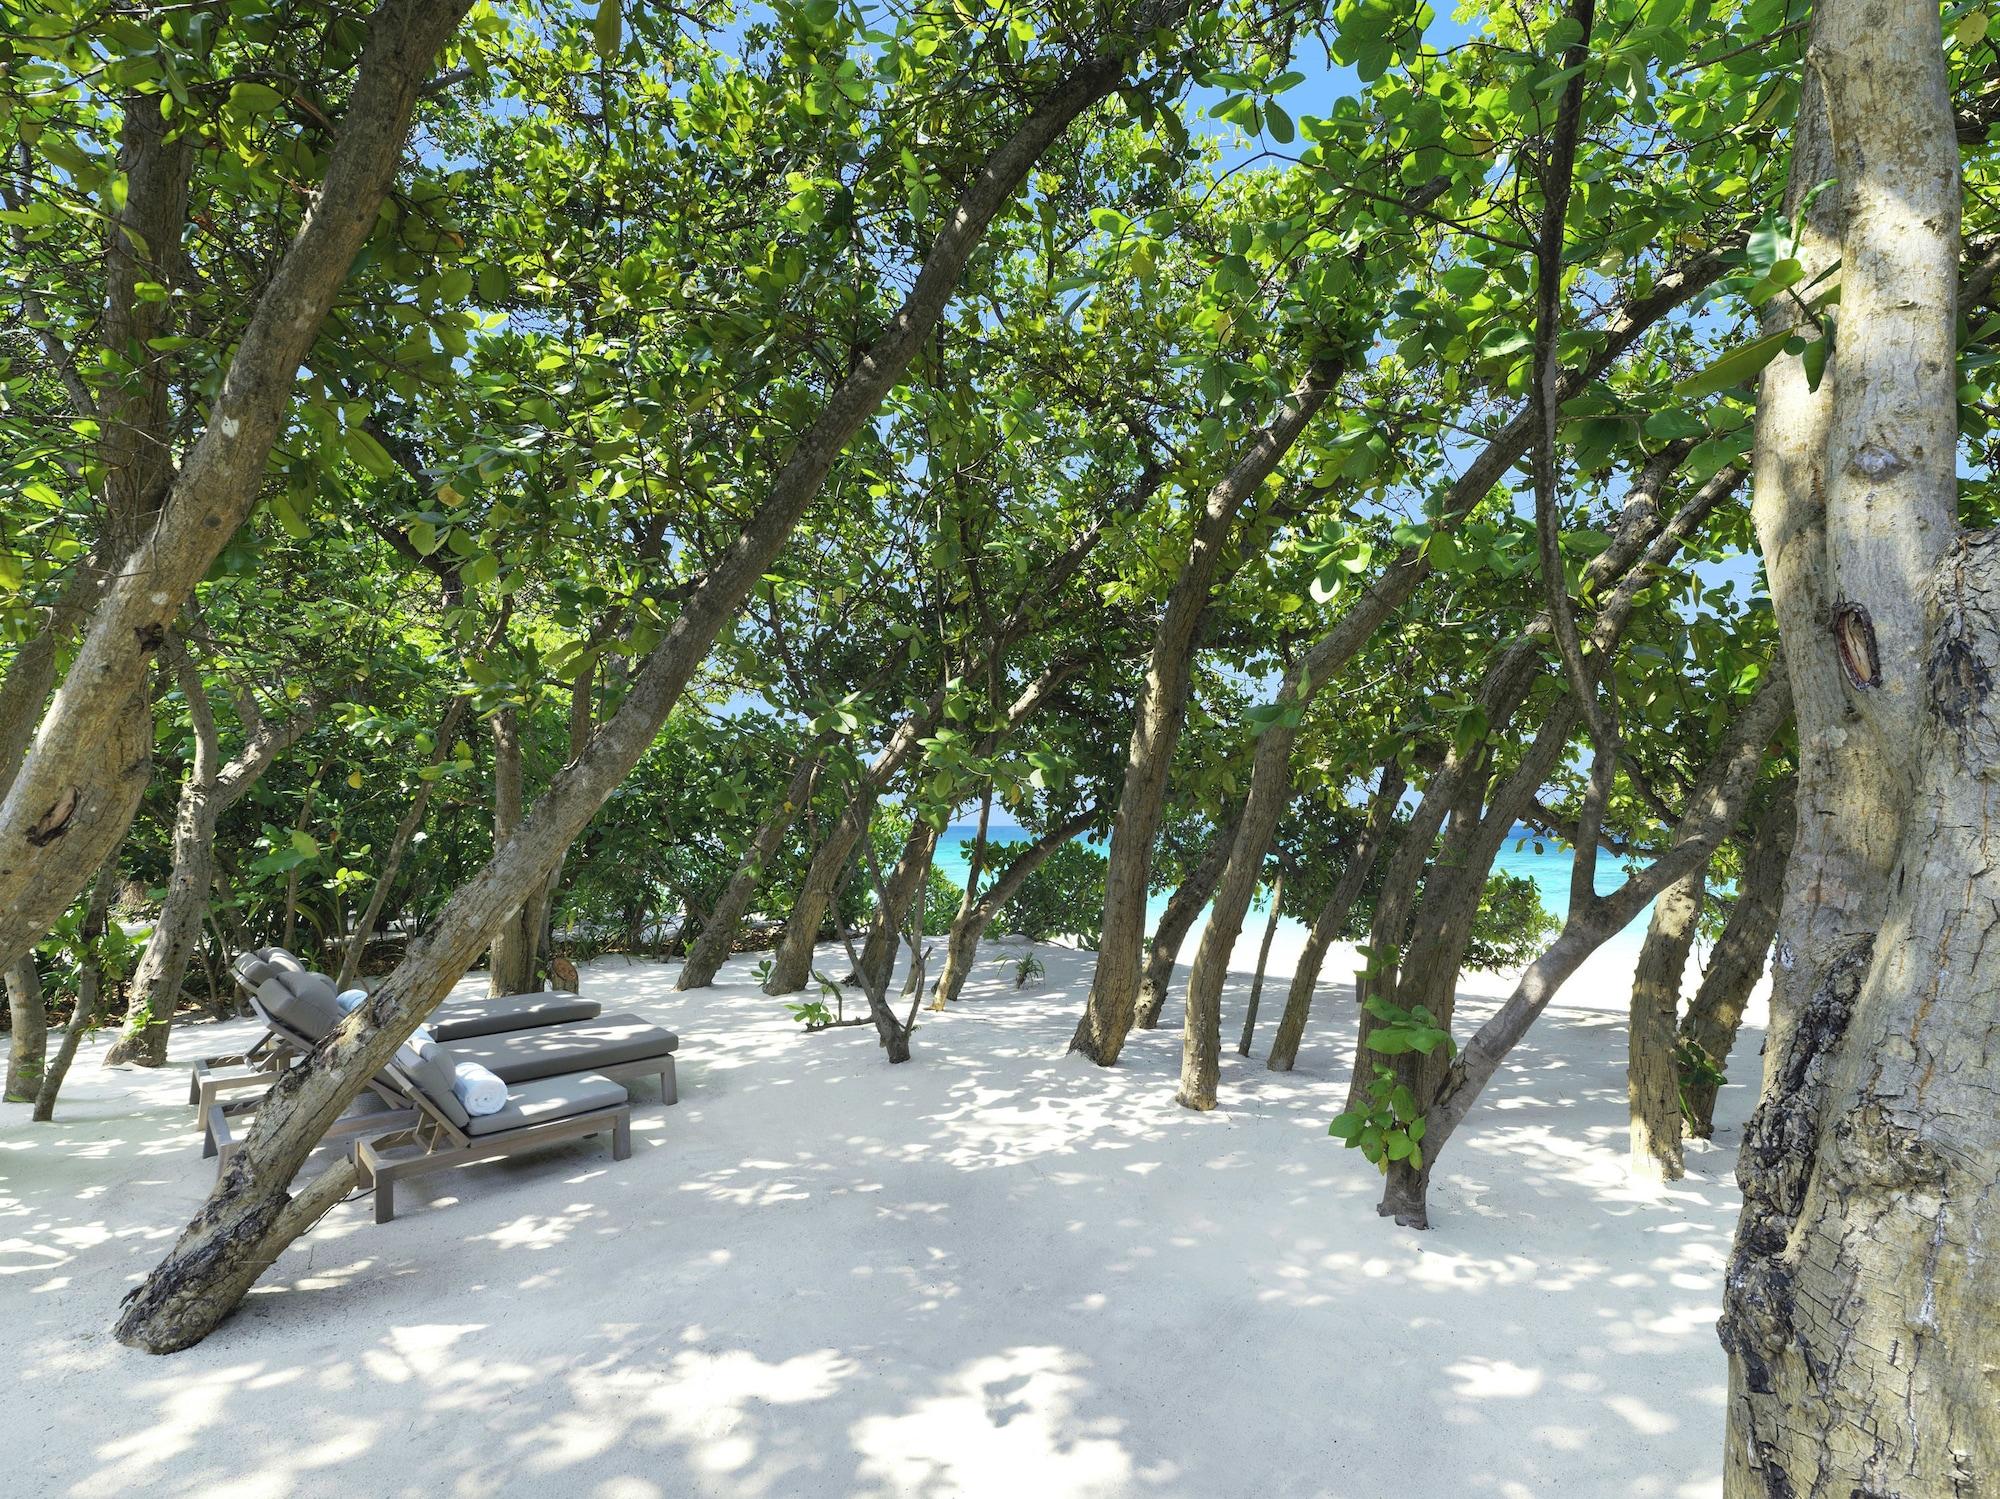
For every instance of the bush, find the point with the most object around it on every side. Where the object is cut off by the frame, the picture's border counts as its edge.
(1062, 898)
(1513, 926)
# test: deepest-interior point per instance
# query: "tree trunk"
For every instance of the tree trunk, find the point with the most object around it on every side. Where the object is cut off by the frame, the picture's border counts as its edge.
(512, 965)
(1263, 961)
(251, 1214)
(1652, 1074)
(28, 1020)
(791, 963)
(1856, 1306)
(89, 990)
(1332, 918)
(1176, 921)
(1713, 808)
(162, 970)
(399, 845)
(76, 792)
(904, 890)
(1716, 1011)
(1114, 988)
(963, 943)
(718, 934)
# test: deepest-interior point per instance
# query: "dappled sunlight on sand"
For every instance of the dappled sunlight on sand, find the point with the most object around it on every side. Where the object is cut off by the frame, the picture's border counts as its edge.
(997, 1270)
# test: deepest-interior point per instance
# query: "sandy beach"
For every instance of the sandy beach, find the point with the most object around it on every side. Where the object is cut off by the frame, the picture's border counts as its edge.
(994, 1271)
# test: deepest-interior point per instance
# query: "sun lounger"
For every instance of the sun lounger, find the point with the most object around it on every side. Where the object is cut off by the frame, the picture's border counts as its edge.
(444, 1136)
(462, 1019)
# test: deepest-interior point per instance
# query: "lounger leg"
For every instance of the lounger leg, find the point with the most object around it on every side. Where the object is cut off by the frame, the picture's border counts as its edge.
(621, 1138)
(670, 1091)
(385, 1199)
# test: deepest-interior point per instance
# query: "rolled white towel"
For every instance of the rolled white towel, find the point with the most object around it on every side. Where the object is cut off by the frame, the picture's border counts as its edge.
(350, 1000)
(478, 1089)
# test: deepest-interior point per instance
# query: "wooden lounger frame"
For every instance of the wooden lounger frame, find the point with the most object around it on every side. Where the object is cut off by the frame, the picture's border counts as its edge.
(434, 1143)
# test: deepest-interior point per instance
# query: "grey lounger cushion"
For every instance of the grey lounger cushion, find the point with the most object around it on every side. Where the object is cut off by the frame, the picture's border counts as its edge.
(608, 1041)
(302, 1000)
(462, 1019)
(550, 1098)
(435, 1070)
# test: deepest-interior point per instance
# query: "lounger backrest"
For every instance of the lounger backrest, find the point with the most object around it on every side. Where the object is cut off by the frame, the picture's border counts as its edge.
(300, 1000)
(429, 1069)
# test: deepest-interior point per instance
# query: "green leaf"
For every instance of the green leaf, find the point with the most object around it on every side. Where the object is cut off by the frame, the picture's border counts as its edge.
(1738, 367)
(370, 454)
(607, 33)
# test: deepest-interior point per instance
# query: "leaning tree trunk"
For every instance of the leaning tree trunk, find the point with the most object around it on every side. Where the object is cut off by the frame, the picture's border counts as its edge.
(904, 890)
(89, 989)
(966, 932)
(1183, 907)
(1332, 919)
(399, 845)
(1114, 987)
(252, 1214)
(1716, 1011)
(1713, 808)
(791, 963)
(1857, 1302)
(162, 970)
(1263, 962)
(711, 949)
(80, 785)
(1652, 1073)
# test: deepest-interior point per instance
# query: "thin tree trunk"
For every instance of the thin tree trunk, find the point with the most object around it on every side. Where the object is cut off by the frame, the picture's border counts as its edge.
(89, 990)
(1271, 777)
(970, 927)
(210, 788)
(791, 962)
(1714, 807)
(711, 949)
(904, 893)
(1332, 919)
(1110, 1007)
(1183, 907)
(1716, 1011)
(251, 1214)
(512, 961)
(399, 846)
(1263, 961)
(1652, 1074)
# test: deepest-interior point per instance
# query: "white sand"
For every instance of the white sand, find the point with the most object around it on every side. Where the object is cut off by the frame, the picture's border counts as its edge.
(994, 1271)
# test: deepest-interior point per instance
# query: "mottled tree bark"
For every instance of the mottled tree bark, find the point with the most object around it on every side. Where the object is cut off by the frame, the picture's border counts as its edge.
(251, 1214)
(1652, 1077)
(1857, 1303)
(28, 1024)
(1716, 1011)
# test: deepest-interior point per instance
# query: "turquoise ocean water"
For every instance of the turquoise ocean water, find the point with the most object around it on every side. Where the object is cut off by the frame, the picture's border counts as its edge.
(1549, 868)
